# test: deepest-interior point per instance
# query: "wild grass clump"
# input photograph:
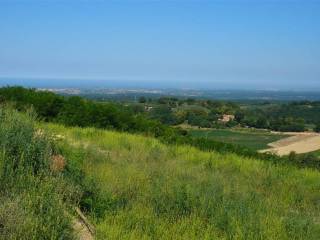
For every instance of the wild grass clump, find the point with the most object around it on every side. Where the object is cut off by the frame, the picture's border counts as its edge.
(92, 200)
(33, 199)
(24, 150)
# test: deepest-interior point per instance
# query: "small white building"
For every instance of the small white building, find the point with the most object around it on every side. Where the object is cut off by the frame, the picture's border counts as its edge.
(226, 118)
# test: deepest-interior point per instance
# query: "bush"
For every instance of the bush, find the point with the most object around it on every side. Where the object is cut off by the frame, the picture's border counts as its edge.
(37, 212)
(23, 148)
(304, 160)
(34, 200)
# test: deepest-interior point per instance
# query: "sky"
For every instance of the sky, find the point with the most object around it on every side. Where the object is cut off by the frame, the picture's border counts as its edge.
(217, 44)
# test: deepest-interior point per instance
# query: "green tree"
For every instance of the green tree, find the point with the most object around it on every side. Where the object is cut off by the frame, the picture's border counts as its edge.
(142, 99)
(262, 123)
(239, 116)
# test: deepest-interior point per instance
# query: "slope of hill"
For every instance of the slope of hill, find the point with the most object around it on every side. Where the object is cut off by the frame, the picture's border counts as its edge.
(39, 198)
(135, 187)
(34, 198)
(148, 190)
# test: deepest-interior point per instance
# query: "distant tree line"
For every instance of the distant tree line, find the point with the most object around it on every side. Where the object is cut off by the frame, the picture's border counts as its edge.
(291, 116)
(195, 112)
(263, 120)
(284, 117)
(77, 111)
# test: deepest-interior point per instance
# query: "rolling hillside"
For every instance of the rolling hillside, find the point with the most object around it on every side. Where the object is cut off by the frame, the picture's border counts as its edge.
(148, 190)
(135, 187)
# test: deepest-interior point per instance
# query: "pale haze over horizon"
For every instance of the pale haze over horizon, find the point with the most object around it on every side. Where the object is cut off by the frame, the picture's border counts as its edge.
(231, 44)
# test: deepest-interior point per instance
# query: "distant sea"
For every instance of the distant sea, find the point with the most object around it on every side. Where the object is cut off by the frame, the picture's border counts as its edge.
(142, 88)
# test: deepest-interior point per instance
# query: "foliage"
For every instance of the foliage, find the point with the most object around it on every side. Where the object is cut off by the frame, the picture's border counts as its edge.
(277, 116)
(33, 200)
(142, 99)
(281, 116)
(76, 111)
(317, 128)
(164, 114)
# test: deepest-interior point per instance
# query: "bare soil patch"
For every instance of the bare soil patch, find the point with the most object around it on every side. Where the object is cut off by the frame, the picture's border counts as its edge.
(299, 143)
(83, 229)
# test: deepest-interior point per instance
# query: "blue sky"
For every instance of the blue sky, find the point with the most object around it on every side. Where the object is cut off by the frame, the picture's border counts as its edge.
(267, 44)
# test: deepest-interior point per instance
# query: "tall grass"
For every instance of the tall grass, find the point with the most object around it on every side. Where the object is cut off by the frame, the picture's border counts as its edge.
(33, 200)
(148, 190)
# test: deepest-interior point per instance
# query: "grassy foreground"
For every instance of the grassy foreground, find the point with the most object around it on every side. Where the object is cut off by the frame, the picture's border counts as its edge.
(147, 190)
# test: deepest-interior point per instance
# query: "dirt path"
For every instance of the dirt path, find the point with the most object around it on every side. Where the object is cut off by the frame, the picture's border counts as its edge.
(299, 143)
(82, 228)
(81, 231)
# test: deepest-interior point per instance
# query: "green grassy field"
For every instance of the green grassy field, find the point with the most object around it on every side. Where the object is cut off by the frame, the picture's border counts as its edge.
(152, 191)
(254, 140)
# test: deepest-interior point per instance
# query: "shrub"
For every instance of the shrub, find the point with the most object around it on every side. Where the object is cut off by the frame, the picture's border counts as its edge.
(34, 201)
(23, 148)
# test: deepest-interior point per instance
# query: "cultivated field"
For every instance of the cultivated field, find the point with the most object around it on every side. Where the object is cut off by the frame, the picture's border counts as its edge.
(299, 143)
(253, 139)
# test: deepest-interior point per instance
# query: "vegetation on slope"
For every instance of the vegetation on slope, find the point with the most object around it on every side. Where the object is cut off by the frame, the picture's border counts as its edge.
(37, 192)
(153, 191)
(76, 111)
(32, 199)
(135, 187)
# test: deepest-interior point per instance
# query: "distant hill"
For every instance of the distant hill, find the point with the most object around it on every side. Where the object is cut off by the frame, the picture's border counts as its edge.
(125, 93)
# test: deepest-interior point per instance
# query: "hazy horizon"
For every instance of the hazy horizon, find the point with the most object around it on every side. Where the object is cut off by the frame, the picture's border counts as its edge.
(129, 84)
(231, 44)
